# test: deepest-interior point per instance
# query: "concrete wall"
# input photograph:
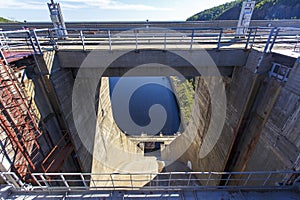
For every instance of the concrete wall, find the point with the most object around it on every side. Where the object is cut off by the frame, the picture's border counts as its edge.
(118, 62)
(113, 151)
(62, 82)
(277, 115)
(217, 158)
(103, 147)
(261, 130)
(41, 89)
(194, 132)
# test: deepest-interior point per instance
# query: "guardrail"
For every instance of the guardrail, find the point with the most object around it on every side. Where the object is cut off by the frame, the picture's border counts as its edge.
(155, 181)
(40, 40)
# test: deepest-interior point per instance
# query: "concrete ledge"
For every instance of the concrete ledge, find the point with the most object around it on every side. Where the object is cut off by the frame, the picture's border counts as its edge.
(118, 62)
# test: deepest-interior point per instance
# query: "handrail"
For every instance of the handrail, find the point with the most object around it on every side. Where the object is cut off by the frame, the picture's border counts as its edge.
(40, 40)
(166, 173)
(156, 181)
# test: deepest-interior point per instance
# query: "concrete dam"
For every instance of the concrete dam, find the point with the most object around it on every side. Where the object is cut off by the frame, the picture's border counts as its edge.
(240, 140)
(242, 130)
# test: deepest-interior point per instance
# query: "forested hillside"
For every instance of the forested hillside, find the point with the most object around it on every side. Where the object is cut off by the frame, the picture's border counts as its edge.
(264, 9)
(4, 20)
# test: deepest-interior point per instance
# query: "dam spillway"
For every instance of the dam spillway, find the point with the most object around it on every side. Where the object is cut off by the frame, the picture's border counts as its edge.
(260, 129)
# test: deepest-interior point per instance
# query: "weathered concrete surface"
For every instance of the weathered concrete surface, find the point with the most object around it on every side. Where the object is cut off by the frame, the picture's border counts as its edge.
(41, 90)
(269, 139)
(113, 151)
(277, 126)
(118, 62)
(261, 130)
(62, 82)
(194, 132)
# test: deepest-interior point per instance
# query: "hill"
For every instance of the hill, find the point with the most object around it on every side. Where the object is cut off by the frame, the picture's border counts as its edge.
(2, 20)
(264, 9)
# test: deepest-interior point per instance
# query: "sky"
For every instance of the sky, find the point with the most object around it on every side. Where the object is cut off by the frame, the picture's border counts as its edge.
(107, 10)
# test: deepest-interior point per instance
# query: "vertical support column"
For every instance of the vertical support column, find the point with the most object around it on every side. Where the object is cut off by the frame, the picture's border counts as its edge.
(248, 38)
(254, 37)
(52, 40)
(274, 39)
(165, 41)
(33, 33)
(269, 40)
(82, 40)
(136, 41)
(192, 40)
(31, 42)
(265, 50)
(220, 38)
(109, 40)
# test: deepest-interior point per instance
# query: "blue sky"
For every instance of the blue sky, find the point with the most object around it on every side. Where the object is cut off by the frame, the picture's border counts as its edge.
(107, 10)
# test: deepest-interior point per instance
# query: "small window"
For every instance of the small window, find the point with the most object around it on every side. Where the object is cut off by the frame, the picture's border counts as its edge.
(280, 72)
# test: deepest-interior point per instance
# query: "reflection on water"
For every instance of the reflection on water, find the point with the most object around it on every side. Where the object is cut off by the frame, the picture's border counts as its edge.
(150, 91)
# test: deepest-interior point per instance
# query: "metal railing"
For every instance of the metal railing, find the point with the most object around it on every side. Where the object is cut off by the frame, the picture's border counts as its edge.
(39, 40)
(155, 181)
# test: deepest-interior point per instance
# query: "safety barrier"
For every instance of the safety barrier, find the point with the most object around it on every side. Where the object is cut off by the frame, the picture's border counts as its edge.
(39, 40)
(155, 181)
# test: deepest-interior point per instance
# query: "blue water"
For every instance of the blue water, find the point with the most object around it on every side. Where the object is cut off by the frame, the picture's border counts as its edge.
(150, 91)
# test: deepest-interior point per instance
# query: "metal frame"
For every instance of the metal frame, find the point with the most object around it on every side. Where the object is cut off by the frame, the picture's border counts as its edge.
(19, 122)
(39, 40)
(282, 72)
(155, 181)
(19, 125)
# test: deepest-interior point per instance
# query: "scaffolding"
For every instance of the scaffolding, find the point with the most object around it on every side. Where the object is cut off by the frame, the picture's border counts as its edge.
(19, 123)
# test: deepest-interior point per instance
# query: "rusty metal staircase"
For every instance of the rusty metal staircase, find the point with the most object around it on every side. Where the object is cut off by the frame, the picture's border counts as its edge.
(25, 142)
(19, 123)
(20, 130)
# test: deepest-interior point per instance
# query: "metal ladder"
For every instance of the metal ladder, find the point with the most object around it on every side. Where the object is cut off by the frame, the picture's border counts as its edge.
(19, 123)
